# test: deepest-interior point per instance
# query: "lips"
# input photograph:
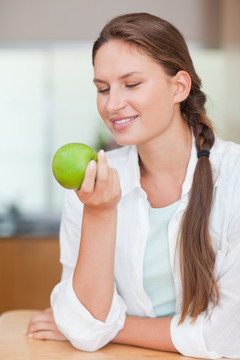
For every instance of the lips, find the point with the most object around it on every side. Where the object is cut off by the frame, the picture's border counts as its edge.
(122, 122)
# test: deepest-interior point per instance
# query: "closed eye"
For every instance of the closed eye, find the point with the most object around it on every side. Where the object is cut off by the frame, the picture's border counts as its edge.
(130, 86)
(103, 91)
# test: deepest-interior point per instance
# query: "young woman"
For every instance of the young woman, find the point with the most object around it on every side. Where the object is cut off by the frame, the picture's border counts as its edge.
(150, 244)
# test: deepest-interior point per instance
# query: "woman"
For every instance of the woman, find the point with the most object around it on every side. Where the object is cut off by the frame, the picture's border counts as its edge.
(159, 219)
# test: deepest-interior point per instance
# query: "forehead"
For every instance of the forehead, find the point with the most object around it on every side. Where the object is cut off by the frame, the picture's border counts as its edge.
(119, 45)
(119, 56)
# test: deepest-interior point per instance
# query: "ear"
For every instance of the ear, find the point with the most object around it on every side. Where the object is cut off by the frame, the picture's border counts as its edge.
(182, 82)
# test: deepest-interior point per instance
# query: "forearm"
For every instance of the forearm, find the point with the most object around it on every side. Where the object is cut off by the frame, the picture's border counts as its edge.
(146, 332)
(93, 279)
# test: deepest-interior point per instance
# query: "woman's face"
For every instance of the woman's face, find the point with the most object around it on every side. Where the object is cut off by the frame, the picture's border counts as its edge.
(135, 95)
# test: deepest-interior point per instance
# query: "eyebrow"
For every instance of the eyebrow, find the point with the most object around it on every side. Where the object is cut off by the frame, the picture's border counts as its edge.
(120, 78)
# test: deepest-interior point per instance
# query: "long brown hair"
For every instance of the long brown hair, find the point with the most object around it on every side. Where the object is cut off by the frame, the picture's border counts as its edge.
(164, 43)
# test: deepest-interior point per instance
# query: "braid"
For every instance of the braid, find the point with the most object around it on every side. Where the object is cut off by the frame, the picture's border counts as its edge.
(193, 108)
(197, 268)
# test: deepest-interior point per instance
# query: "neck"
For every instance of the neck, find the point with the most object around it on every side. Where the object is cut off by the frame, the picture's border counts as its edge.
(167, 154)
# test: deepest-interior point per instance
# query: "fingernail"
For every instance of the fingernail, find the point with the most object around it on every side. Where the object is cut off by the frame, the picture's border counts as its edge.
(92, 164)
(102, 153)
(30, 335)
(25, 331)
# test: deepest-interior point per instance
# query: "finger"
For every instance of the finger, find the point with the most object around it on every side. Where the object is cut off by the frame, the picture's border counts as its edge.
(48, 335)
(48, 311)
(41, 326)
(89, 179)
(42, 317)
(115, 185)
(46, 316)
(116, 181)
(102, 168)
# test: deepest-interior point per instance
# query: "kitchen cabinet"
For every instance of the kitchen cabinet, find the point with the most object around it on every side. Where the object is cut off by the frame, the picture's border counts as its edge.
(29, 269)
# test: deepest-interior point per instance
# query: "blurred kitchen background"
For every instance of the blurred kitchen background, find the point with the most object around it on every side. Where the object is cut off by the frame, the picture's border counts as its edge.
(47, 99)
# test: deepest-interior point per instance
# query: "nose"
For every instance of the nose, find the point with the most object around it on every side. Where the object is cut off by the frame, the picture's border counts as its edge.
(116, 101)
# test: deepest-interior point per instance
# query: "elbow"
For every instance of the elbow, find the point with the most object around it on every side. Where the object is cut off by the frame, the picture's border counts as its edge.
(86, 338)
(92, 337)
(88, 346)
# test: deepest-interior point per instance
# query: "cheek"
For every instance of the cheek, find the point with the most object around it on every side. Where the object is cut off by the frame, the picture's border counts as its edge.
(149, 103)
(158, 109)
(142, 101)
(162, 100)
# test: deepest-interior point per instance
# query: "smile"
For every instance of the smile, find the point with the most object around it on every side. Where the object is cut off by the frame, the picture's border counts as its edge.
(121, 123)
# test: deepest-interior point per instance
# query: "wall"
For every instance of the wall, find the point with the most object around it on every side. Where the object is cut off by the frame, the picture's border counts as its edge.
(61, 20)
(230, 43)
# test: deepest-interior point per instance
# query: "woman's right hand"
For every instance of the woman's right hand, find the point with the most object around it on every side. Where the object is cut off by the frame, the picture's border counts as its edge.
(100, 189)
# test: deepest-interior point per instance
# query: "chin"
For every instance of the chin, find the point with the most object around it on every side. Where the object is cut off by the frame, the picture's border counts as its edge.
(124, 142)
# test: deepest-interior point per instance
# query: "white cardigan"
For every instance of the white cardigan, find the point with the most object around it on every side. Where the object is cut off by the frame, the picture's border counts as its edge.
(215, 333)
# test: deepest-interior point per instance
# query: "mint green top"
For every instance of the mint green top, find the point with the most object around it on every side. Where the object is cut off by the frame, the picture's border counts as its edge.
(157, 273)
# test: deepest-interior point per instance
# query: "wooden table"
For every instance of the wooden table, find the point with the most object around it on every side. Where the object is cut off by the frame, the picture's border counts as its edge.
(14, 345)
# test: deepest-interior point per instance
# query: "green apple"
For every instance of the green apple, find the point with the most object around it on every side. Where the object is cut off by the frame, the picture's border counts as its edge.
(70, 162)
